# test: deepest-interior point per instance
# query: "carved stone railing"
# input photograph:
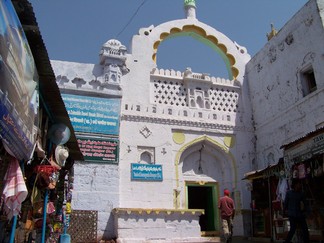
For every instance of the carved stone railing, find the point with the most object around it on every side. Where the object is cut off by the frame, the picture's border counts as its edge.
(170, 73)
(164, 225)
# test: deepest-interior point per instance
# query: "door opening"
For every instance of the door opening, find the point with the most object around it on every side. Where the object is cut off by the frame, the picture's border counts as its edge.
(204, 197)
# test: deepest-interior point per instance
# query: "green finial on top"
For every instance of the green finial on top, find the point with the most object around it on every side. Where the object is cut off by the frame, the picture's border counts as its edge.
(189, 3)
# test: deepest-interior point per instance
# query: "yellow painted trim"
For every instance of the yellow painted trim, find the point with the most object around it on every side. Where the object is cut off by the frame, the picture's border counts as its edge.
(213, 39)
(175, 30)
(210, 233)
(222, 47)
(157, 211)
(154, 57)
(235, 71)
(179, 137)
(231, 59)
(229, 141)
(194, 28)
(156, 45)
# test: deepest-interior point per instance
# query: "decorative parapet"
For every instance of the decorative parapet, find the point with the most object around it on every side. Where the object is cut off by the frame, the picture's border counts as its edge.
(157, 211)
(180, 113)
(100, 79)
(188, 75)
(157, 224)
(184, 117)
(166, 72)
(196, 91)
(93, 86)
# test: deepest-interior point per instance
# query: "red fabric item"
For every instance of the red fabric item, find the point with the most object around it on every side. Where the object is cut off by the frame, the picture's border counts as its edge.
(226, 192)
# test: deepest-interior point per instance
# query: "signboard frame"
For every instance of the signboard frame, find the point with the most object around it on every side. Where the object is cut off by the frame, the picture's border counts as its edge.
(146, 172)
(99, 150)
(19, 95)
(93, 114)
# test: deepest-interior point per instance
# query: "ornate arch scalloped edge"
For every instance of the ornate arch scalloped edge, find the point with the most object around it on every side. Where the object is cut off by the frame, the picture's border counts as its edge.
(210, 40)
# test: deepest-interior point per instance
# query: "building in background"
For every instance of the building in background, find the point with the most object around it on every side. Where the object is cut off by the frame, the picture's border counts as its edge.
(176, 136)
(286, 82)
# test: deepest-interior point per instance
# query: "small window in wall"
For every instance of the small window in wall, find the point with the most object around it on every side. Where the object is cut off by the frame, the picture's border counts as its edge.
(200, 102)
(146, 158)
(308, 81)
(146, 154)
(113, 77)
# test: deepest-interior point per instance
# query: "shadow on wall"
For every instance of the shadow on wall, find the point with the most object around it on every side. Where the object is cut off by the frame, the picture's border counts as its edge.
(109, 234)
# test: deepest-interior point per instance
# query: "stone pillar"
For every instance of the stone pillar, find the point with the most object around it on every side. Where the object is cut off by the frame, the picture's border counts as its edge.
(190, 8)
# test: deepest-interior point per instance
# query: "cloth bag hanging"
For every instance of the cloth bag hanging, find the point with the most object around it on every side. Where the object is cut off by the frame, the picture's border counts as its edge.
(15, 190)
(301, 171)
(318, 169)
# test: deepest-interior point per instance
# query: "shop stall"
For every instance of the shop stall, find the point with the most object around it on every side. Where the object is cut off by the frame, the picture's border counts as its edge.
(267, 188)
(304, 161)
(38, 146)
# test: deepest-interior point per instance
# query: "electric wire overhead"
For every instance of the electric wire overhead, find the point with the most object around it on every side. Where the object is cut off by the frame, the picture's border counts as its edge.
(131, 19)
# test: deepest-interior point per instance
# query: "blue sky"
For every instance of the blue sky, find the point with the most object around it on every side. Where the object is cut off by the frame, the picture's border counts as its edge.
(75, 30)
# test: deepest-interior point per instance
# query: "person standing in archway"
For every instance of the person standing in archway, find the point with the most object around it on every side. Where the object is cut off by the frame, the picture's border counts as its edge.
(227, 211)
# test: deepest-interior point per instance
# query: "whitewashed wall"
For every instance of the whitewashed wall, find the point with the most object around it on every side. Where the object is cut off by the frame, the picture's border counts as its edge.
(281, 113)
(96, 187)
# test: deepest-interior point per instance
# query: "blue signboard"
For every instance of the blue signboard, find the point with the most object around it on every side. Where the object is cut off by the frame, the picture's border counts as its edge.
(18, 82)
(92, 114)
(15, 139)
(146, 172)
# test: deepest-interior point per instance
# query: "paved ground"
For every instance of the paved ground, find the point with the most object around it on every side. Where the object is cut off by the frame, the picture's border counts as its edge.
(239, 240)
(254, 240)
(212, 240)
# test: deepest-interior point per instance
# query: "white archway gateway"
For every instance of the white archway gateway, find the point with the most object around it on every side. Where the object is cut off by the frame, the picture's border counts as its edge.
(204, 109)
(155, 104)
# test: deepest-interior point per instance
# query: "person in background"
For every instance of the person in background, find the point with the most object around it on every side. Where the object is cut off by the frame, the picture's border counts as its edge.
(295, 207)
(227, 211)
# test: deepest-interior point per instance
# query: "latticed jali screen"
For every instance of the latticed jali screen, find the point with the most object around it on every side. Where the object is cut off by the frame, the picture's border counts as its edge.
(83, 226)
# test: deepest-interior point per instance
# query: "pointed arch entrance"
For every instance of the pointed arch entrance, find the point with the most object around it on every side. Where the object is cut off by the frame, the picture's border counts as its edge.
(203, 168)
